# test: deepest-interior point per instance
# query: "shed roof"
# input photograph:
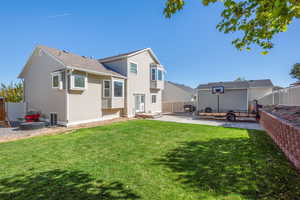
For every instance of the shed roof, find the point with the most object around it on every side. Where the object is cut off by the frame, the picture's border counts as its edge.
(238, 84)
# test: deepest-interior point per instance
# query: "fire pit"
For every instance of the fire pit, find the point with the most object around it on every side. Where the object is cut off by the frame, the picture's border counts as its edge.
(32, 125)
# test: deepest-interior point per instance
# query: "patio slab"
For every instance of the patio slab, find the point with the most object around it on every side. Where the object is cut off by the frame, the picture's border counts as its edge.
(189, 120)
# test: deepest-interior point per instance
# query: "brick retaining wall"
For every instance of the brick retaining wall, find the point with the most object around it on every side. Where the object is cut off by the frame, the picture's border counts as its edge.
(285, 135)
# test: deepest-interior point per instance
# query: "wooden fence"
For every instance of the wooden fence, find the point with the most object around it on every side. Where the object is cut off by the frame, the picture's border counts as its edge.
(2, 110)
(175, 107)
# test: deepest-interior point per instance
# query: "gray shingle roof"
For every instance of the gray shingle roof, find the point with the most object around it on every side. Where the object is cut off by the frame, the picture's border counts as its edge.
(184, 87)
(238, 84)
(120, 55)
(81, 62)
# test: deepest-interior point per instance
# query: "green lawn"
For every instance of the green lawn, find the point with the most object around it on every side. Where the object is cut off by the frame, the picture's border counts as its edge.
(145, 159)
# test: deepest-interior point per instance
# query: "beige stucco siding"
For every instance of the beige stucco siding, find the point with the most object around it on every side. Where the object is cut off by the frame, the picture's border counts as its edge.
(39, 94)
(156, 107)
(140, 84)
(86, 105)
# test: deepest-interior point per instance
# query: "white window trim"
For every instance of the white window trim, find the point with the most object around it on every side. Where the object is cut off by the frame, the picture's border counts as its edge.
(73, 82)
(110, 88)
(137, 66)
(113, 88)
(152, 98)
(59, 80)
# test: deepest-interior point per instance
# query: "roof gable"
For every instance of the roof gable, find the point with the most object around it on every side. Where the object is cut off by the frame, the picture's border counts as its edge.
(183, 87)
(129, 54)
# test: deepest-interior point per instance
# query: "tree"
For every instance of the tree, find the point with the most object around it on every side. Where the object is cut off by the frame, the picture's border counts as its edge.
(12, 92)
(258, 20)
(240, 79)
(295, 71)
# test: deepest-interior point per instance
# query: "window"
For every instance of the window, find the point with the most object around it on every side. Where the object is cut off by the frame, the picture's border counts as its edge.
(133, 67)
(106, 88)
(159, 75)
(79, 81)
(153, 74)
(153, 98)
(118, 89)
(56, 80)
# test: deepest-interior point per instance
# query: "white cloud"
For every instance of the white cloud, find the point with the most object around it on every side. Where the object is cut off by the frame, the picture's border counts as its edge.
(60, 15)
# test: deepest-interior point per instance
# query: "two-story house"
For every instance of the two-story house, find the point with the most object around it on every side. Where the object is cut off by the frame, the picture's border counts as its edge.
(70, 89)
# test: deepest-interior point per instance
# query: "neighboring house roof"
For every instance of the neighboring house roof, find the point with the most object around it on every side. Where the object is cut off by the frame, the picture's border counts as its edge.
(183, 87)
(238, 84)
(129, 54)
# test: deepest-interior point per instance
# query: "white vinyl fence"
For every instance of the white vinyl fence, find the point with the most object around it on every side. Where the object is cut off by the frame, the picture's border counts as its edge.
(287, 96)
(15, 110)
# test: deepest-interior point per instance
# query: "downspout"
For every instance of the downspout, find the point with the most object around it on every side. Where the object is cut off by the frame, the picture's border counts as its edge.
(67, 96)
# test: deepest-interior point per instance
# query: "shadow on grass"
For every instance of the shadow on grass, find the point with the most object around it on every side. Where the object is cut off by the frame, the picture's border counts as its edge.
(59, 184)
(251, 167)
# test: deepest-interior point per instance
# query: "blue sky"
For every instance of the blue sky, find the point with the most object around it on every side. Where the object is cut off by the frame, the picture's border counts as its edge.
(188, 45)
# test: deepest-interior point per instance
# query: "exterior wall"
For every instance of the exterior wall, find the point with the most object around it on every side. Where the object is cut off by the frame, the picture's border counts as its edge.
(86, 105)
(256, 93)
(172, 93)
(231, 100)
(140, 84)
(38, 92)
(119, 66)
(284, 134)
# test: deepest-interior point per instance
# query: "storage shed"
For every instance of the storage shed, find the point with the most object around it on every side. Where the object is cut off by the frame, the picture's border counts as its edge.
(236, 95)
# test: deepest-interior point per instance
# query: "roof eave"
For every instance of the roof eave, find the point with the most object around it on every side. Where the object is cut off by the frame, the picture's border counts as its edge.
(94, 72)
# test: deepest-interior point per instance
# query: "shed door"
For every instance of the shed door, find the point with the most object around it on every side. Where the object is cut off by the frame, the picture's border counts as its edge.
(234, 100)
(2, 110)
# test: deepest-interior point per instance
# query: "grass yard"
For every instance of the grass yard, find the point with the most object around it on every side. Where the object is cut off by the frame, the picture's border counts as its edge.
(145, 159)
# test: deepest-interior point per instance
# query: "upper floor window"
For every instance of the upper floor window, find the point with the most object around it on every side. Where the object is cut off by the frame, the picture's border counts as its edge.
(79, 81)
(106, 88)
(159, 75)
(153, 74)
(156, 74)
(56, 80)
(133, 67)
(118, 88)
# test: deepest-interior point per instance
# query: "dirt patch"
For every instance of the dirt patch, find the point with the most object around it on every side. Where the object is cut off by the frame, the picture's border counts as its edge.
(288, 113)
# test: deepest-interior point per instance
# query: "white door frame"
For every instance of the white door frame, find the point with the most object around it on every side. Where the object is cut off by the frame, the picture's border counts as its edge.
(139, 98)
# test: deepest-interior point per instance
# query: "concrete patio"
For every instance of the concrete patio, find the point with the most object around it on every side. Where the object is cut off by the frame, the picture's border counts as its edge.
(183, 118)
